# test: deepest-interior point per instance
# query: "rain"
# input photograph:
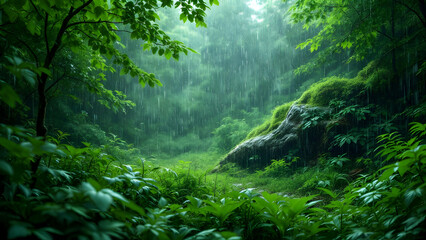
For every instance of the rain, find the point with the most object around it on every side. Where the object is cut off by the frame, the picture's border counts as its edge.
(212, 119)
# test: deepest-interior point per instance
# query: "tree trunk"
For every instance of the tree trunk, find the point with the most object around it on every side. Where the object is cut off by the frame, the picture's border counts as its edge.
(41, 111)
(41, 130)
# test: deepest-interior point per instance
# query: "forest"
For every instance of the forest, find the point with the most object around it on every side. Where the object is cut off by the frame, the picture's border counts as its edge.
(218, 119)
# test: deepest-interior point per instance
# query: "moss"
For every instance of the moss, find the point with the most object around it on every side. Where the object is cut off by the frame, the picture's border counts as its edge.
(321, 93)
(278, 115)
(318, 94)
(371, 77)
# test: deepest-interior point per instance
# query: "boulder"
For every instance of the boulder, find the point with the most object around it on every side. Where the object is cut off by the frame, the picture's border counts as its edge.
(294, 137)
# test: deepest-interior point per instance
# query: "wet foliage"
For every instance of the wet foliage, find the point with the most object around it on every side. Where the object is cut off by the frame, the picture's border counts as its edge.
(86, 193)
(118, 118)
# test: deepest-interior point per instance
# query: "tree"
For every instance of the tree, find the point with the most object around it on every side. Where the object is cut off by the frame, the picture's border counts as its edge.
(363, 28)
(41, 29)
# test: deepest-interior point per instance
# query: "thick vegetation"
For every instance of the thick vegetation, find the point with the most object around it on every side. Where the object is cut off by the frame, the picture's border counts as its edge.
(85, 153)
(86, 193)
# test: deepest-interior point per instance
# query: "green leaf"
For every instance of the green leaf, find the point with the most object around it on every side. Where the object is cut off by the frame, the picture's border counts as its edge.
(413, 222)
(57, 173)
(192, 50)
(183, 17)
(45, 71)
(155, 15)
(6, 168)
(101, 200)
(99, 11)
(43, 235)
(410, 195)
(346, 44)
(168, 54)
(162, 202)
(134, 207)
(18, 231)
(386, 174)
(176, 57)
(404, 166)
(22, 69)
(108, 225)
(8, 95)
(329, 192)
(154, 50)
(146, 46)
(48, 147)
(161, 52)
(45, 4)
(33, 27)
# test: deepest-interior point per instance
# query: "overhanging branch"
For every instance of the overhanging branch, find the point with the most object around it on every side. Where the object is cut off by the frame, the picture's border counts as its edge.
(414, 11)
(92, 22)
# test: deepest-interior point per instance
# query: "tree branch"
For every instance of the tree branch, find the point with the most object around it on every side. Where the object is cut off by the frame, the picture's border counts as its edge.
(46, 40)
(362, 20)
(384, 34)
(36, 9)
(72, 12)
(414, 11)
(87, 35)
(54, 83)
(5, 24)
(126, 31)
(93, 22)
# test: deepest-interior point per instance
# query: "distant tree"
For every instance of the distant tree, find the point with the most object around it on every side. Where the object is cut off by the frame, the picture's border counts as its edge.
(40, 29)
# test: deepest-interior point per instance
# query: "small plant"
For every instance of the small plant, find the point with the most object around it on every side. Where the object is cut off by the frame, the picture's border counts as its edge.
(312, 117)
(279, 168)
(338, 161)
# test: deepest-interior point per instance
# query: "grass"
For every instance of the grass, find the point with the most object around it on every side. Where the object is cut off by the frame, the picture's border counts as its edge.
(302, 182)
(204, 161)
(299, 183)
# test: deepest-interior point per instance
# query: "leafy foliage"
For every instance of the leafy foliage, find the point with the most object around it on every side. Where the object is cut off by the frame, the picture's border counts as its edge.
(103, 189)
(86, 193)
(357, 27)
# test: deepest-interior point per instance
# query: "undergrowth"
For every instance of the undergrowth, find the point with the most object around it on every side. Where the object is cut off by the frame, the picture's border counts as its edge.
(86, 193)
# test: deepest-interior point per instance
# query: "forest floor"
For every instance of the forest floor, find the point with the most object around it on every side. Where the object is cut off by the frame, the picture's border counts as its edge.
(301, 182)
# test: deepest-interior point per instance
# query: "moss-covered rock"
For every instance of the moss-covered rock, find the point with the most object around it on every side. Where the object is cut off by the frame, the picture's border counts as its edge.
(321, 93)
(290, 138)
(328, 89)
(278, 115)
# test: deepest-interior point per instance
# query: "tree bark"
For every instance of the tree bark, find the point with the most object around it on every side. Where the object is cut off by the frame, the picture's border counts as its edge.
(41, 129)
